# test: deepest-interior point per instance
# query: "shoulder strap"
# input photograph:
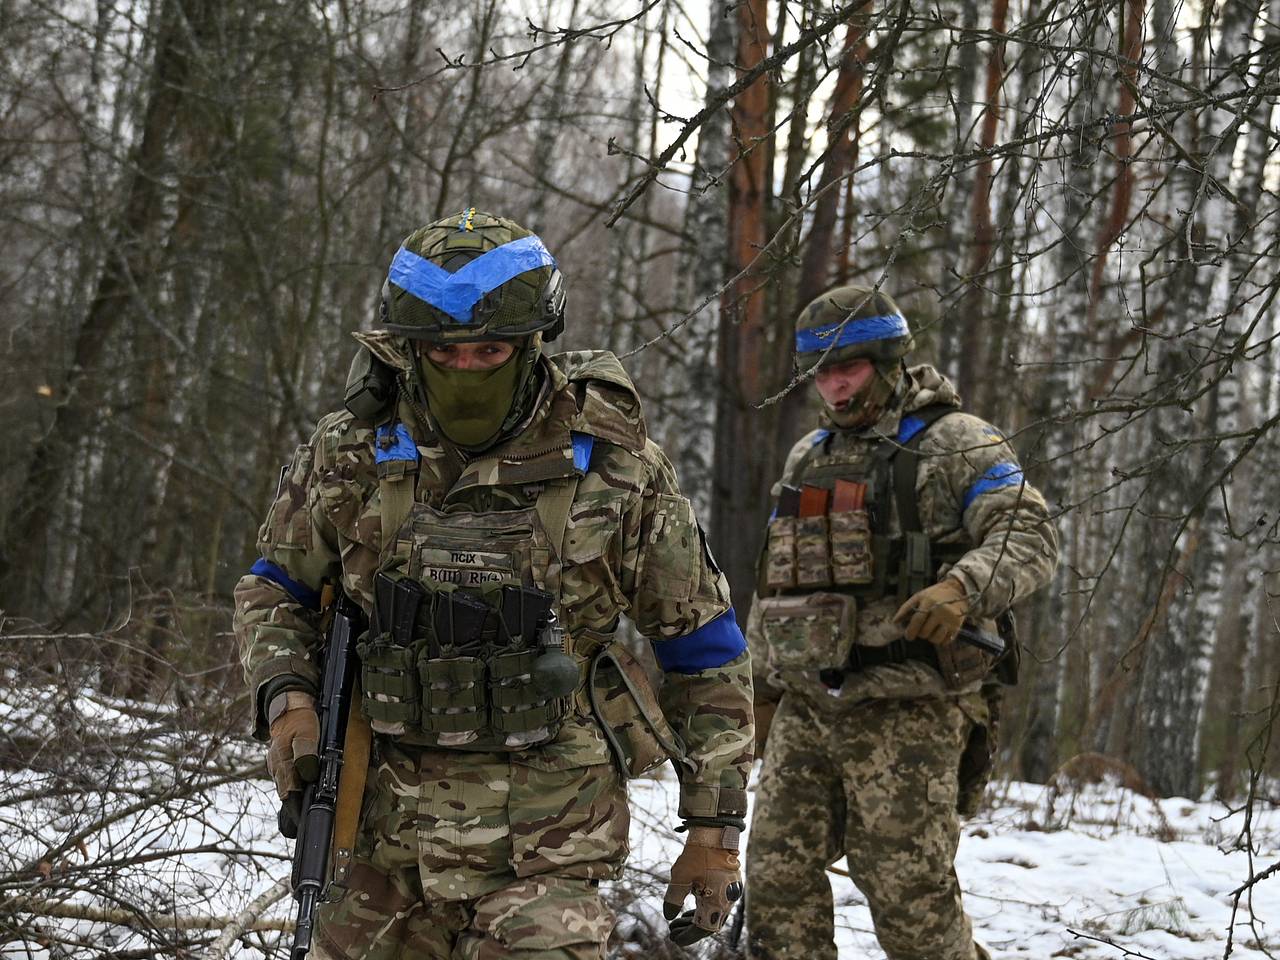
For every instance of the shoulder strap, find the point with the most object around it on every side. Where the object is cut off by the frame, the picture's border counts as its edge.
(553, 506)
(556, 499)
(905, 463)
(396, 455)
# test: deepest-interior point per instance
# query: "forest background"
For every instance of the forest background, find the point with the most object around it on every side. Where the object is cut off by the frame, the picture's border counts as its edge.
(1075, 202)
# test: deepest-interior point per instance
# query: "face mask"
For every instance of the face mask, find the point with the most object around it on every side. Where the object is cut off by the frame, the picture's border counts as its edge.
(867, 405)
(470, 406)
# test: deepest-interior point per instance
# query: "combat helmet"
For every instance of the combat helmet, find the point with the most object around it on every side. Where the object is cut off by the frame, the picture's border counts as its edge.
(849, 322)
(473, 276)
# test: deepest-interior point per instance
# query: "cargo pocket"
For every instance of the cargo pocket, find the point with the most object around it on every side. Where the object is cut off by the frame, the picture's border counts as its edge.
(569, 821)
(288, 522)
(671, 548)
(589, 586)
(809, 633)
(552, 915)
(941, 791)
(624, 703)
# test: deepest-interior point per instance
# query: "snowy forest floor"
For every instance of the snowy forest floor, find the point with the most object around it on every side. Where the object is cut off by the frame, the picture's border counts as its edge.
(121, 834)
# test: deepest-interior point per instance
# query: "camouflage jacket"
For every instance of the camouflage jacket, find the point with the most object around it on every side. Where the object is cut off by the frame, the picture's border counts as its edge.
(632, 547)
(1011, 546)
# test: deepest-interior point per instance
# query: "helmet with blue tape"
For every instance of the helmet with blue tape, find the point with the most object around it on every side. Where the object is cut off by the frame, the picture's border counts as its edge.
(473, 276)
(850, 322)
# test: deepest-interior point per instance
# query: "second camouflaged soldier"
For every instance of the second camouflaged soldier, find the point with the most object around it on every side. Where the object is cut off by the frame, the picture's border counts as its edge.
(898, 522)
(476, 497)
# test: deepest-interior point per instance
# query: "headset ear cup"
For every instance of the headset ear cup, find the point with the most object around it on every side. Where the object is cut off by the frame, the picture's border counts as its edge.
(553, 300)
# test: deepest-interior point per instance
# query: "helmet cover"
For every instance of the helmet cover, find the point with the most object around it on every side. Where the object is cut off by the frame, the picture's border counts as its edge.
(473, 276)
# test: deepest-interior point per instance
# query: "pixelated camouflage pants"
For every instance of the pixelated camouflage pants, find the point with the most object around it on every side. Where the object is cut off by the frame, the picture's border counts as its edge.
(879, 785)
(479, 856)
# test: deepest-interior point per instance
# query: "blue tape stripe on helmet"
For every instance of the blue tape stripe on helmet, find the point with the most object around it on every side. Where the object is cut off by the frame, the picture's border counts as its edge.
(583, 444)
(457, 293)
(299, 591)
(401, 446)
(1001, 475)
(851, 331)
(712, 645)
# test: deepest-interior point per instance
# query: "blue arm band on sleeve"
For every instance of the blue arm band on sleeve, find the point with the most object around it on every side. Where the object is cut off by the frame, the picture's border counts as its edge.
(583, 444)
(394, 444)
(456, 293)
(1001, 475)
(299, 591)
(844, 333)
(712, 645)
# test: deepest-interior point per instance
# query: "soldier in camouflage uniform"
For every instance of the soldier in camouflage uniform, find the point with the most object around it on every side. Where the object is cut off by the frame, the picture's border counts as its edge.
(470, 469)
(899, 521)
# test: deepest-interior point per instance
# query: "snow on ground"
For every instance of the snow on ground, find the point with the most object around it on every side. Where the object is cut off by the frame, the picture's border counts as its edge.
(1151, 876)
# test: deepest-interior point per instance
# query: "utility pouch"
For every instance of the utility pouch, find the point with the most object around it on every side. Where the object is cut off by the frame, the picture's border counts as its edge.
(390, 695)
(453, 699)
(809, 633)
(780, 562)
(813, 556)
(626, 707)
(519, 712)
(961, 664)
(851, 547)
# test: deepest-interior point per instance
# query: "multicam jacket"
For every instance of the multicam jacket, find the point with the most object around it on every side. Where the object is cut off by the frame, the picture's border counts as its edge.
(972, 498)
(631, 547)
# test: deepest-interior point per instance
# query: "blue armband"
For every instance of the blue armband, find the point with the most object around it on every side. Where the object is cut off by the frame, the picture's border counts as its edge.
(299, 591)
(1001, 475)
(712, 645)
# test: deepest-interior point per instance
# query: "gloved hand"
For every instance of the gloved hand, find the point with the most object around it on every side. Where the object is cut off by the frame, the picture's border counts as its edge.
(709, 869)
(935, 613)
(295, 737)
(764, 711)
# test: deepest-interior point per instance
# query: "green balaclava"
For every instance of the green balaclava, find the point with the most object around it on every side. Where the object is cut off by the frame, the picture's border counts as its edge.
(848, 323)
(474, 409)
(467, 278)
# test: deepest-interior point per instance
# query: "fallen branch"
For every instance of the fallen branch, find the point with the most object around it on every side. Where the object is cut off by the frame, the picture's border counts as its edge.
(248, 920)
(124, 918)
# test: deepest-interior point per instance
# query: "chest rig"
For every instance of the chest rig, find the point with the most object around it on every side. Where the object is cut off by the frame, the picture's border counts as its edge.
(832, 528)
(832, 550)
(466, 650)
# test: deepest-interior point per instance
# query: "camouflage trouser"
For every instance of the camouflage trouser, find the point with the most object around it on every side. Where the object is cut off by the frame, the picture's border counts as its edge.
(878, 785)
(479, 856)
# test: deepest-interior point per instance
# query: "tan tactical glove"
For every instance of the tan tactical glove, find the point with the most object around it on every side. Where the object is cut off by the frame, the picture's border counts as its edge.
(764, 711)
(295, 737)
(709, 869)
(935, 613)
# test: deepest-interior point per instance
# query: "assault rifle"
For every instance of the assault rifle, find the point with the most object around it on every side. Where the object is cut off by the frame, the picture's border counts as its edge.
(320, 800)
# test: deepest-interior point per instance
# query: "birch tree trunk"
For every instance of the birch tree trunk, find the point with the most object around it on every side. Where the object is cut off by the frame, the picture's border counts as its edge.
(705, 259)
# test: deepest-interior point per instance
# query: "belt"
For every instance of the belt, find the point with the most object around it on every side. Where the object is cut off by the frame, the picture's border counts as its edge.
(864, 658)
